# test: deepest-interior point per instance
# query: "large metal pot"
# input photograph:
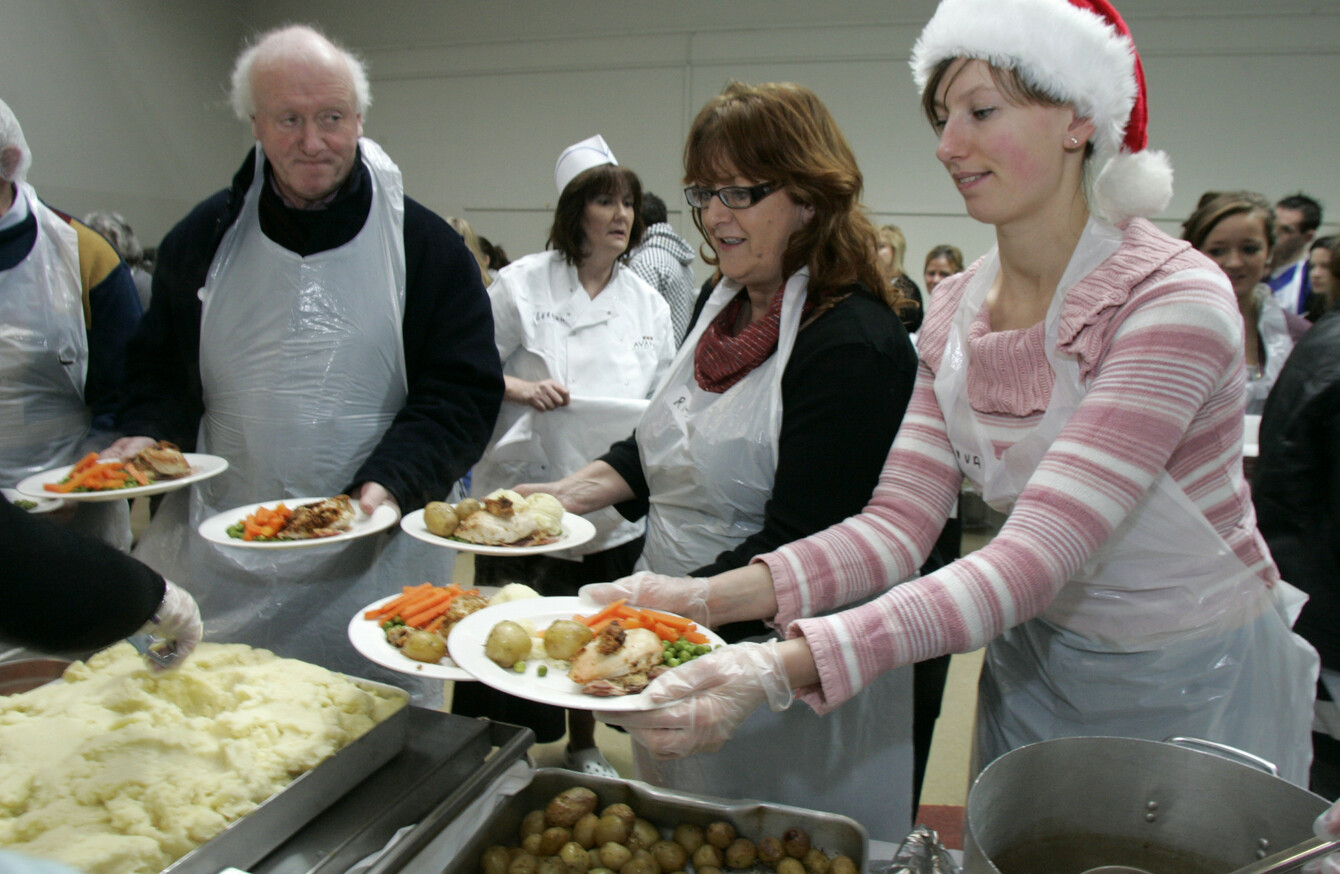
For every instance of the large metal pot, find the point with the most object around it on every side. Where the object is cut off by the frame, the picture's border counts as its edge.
(1066, 806)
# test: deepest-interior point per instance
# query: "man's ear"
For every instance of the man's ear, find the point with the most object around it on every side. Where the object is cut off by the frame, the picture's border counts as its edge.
(10, 157)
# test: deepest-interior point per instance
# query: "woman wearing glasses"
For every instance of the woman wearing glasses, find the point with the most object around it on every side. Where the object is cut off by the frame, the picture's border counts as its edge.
(1087, 376)
(772, 423)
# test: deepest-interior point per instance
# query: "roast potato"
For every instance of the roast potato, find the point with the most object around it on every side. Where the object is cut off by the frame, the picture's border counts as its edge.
(708, 854)
(689, 836)
(569, 805)
(741, 853)
(424, 646)
(669, 855)
(584, 830)
(796, 842)
(552, 840)
(610, 829)
(614, 855)
(720, 834)
(507, 644)
(440, 518)
(842, 865)
(565, 638)
(770, 851)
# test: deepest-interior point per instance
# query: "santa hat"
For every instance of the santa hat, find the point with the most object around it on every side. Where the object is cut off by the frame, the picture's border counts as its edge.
(1080, 52)
(579, 157)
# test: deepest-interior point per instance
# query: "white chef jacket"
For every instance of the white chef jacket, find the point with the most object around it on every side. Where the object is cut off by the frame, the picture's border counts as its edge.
(610, 351)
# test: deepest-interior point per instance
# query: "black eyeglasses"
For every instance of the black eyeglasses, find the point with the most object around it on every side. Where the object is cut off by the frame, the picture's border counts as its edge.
(734, 196)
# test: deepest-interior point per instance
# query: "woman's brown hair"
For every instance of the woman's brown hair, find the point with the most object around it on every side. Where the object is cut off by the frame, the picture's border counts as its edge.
(781, 133)
(1215, 206)
(566, 234)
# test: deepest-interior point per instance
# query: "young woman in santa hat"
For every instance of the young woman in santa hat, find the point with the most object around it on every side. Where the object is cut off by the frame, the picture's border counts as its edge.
(1087, 376)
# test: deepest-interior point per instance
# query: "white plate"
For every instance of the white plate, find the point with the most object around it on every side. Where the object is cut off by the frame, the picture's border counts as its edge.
(44, 505)
(215, 528)
(202, 467)
(576, 531)
(368, 638)
(466, 647)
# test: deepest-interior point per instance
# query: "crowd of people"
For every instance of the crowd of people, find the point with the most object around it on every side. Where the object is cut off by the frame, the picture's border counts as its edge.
(778, 455)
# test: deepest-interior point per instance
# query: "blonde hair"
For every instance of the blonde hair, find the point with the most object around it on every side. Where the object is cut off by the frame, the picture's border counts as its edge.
(467, 233)
(893, 236)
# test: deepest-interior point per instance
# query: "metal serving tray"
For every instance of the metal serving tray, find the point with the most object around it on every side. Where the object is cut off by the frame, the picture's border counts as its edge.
(249, 839)
(665, 808)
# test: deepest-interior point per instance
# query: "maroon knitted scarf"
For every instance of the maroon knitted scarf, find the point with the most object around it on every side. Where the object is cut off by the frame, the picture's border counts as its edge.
(723, 358)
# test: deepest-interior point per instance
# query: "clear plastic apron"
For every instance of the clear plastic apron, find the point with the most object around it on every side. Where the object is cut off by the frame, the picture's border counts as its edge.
(302, 363)
(44, 421)
(1164, 631)
(709, 460)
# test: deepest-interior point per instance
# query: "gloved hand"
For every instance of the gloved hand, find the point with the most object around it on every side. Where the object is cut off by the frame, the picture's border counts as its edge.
(177, 624)
(686, 596)
(712, 695)
(1326, 827)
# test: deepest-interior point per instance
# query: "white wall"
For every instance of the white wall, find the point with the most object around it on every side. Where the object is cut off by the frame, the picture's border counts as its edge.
(474, 100)
(122, 103)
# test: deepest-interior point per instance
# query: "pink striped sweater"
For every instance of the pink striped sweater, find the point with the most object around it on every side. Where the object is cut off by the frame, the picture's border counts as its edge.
(1159, 341)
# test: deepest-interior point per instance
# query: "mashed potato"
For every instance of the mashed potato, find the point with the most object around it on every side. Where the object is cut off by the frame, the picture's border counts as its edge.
(116, 770)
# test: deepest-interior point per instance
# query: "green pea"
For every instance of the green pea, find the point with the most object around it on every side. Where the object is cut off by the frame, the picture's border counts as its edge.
(519, 667)
(542, 670)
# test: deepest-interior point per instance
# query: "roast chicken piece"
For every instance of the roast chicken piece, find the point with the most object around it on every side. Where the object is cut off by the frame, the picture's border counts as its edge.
(325, 518)
(615, 654)
(488, 529)
(161, 461)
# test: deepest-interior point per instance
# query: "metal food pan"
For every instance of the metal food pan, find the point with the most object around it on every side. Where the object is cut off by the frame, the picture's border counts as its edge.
(664, 808)
(251, 838)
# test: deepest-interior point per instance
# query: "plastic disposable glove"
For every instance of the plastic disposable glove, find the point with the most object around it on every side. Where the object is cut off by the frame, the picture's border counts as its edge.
(686, 596)
(1326, 827)
(712, 695)
(174, 630)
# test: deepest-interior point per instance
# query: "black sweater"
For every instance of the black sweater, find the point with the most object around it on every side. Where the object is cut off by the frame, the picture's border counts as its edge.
(1296, 486)
(455, 377)
(66, 592)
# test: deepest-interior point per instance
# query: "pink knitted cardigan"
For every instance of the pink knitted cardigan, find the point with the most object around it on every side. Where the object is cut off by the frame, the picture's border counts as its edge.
(1158, 338)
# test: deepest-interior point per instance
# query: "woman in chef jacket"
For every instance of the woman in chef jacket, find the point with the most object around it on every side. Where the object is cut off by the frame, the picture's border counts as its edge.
(773, 422)
(583, 341)
(1087, 376)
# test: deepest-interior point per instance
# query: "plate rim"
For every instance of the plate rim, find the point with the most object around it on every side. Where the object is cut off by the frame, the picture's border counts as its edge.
(35, 481)
(429, 671)
(46, 504)
(562, 604)
(412, 524)
(246, 509)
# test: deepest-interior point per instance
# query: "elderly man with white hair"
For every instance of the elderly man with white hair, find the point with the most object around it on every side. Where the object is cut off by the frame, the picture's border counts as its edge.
(324, 333)
(69, 306)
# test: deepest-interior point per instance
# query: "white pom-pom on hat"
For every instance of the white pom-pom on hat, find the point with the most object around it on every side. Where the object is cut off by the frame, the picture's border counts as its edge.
(1079, 52)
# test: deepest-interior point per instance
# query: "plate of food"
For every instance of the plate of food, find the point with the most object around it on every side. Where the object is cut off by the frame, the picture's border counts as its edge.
(159, 468)
(574, 653)
(504, 523)
(295, 523)
(418, 647)
(31, 504)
